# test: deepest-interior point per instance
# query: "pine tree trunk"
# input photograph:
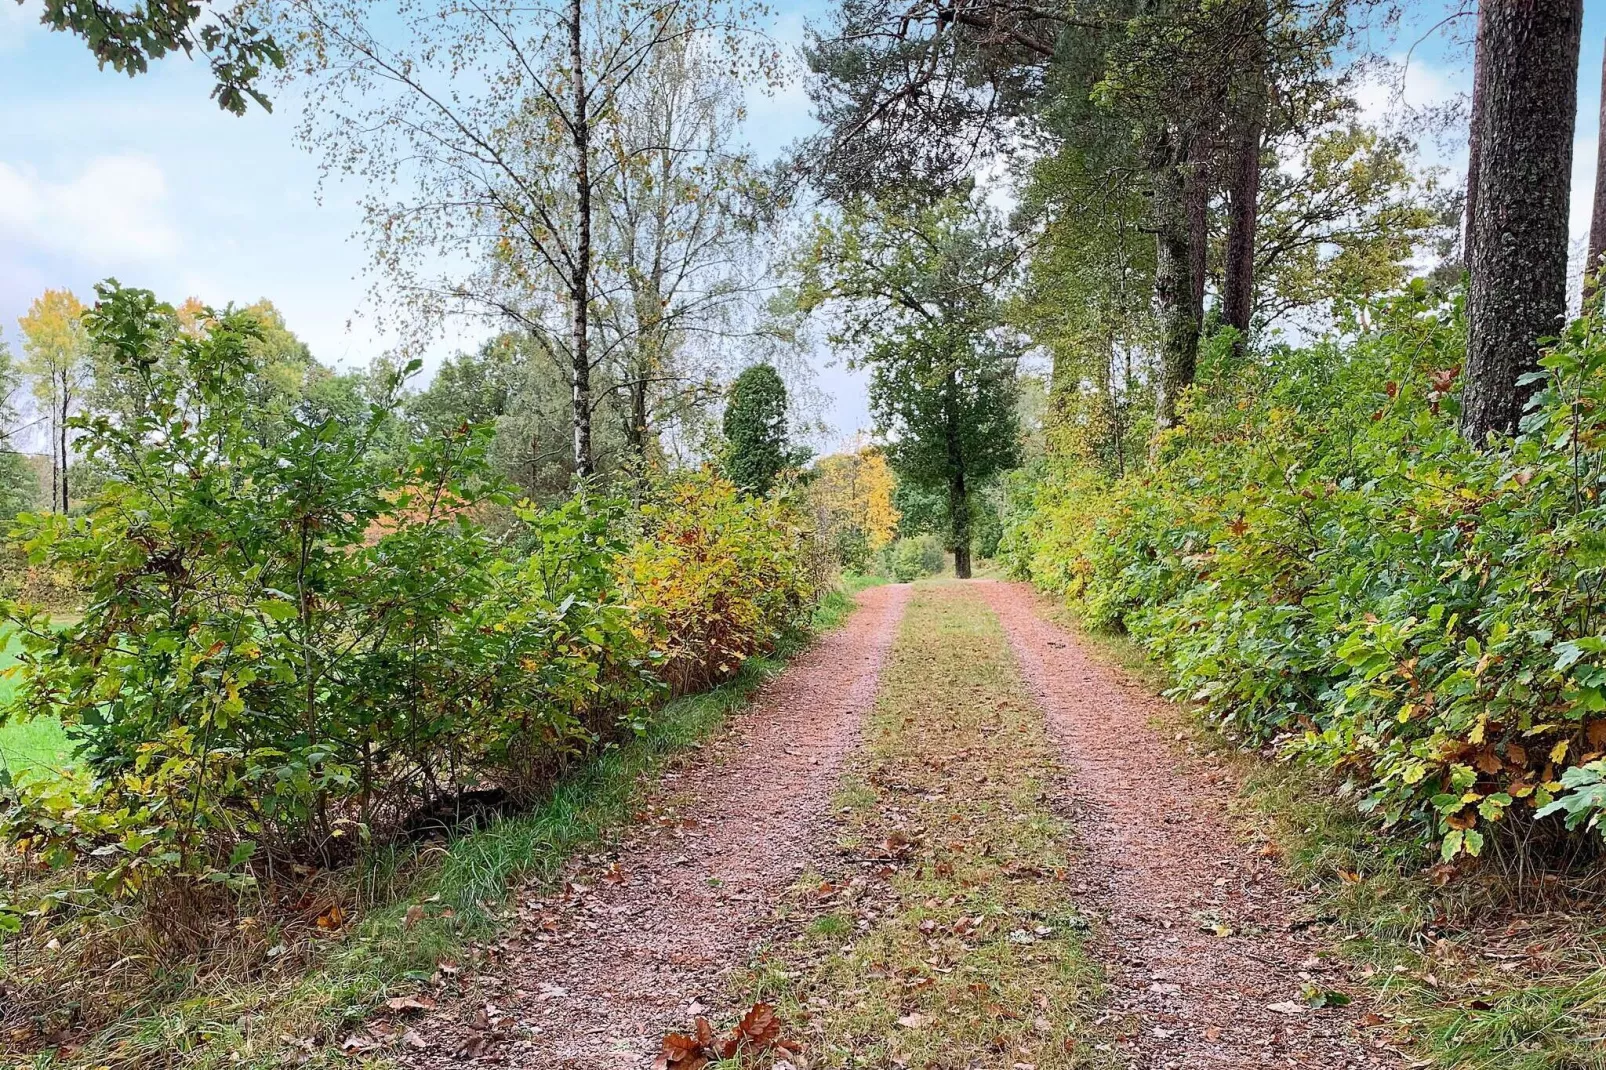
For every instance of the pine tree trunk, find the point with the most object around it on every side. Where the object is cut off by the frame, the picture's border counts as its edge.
(1198, 187)
(1529, 65)
(1238, 289)
(1173, 283)
(1474, 138)
(1597, 216)
(1238, 284)
(580, 283)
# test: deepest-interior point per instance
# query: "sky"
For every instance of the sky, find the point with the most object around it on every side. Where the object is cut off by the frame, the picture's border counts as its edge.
(146, 180)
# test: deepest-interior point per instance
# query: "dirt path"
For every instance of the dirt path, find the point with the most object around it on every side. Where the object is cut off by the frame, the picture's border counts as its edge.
(1164, 868)
(594, 977)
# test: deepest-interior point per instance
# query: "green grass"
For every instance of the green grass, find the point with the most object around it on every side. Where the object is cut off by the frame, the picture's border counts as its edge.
(854, 582)
(965, 948)
(461, 887)
(25, 744)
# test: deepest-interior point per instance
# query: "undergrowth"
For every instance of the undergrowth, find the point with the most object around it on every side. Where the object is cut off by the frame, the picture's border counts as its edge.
(1501, 970)
(1326, 565)
(413, 908)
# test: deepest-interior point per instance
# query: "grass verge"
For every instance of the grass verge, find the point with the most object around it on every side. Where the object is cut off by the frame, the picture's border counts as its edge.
(945, 934)
(1502, 969)
(413, 909)
(25, 744)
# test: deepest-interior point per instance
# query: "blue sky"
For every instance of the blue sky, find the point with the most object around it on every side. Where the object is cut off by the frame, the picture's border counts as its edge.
(147, 180)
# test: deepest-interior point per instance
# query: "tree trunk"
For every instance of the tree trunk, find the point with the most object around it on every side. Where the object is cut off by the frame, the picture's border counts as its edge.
(636, 423)
(958, 494)
(55, 461)
(1597, 217)
(1243, 185)
(1519, 235)
(1238, 289)
(1198, 187)
(1173, 283)
(66, 404)
(580, 284)
(1474, 138)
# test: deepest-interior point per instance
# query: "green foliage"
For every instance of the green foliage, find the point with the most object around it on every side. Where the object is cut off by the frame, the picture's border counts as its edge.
(1324, 564)
(757, 451)
(19, 487)
(236, 48)
(914, 557)
(917, 293)
(722, 576)
(288, 646)
(1342, 224)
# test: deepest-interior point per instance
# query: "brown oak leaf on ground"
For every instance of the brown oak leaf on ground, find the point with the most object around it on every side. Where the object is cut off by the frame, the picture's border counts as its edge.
(758, 1031)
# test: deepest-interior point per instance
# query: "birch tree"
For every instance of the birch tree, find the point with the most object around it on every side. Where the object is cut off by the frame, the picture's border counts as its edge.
(678, 272)
(55, 360)
(488, 131)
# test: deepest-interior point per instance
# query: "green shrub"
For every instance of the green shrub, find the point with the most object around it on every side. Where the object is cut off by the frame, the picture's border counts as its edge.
(915, 556)
(851, 548)
(1324, 564)
(720, 575)
(288, 647)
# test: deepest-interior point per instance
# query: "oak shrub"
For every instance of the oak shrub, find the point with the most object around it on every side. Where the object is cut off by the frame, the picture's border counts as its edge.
(720, 575)
(1326, 567)
(294, 645)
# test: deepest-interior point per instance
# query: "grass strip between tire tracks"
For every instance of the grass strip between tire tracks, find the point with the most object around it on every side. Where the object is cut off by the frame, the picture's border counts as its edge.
(944, 933)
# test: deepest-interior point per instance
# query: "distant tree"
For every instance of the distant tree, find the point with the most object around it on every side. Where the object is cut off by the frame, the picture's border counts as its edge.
(19, 487)
(57, 364)
(236, 48)
(757, 446)
(1340, 226)
(676, 243)
(470, 388)
(1528, 73)
(917, 291)
(851, 495)
(513, 384)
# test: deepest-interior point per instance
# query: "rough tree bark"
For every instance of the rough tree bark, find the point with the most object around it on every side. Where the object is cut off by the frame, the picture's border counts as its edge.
(1597, 216)
(1243, 188)
(1529, 60)
(1474, 139)
(1173, 280)
(1238, 289)
(1198, 187)
(580, 280)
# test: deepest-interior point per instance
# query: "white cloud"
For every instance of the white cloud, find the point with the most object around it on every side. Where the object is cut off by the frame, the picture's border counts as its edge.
(114, 212)
(1395, 95)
